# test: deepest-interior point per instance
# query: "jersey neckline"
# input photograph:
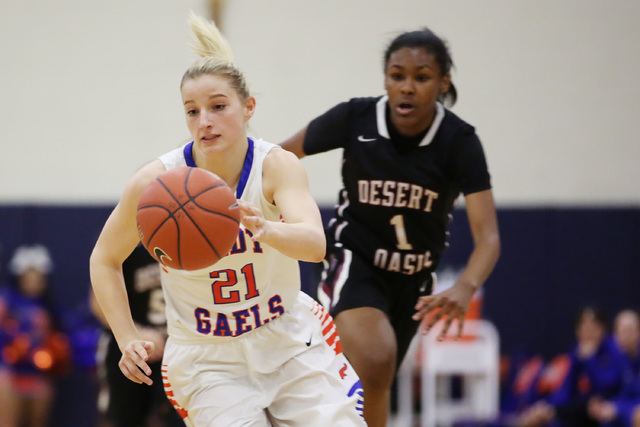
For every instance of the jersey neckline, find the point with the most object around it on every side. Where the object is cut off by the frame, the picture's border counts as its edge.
(383, 130)
(246, 167)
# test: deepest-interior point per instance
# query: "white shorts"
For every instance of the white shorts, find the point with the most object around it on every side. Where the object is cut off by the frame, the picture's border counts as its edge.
(288, 372)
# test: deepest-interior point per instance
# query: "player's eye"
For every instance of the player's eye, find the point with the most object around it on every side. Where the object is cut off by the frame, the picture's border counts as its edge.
(422, 78)
(397, 77)
(219, 107)
(192, 112)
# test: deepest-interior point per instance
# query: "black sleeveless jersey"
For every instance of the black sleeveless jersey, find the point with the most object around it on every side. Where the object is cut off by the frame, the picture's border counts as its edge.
(396, 201)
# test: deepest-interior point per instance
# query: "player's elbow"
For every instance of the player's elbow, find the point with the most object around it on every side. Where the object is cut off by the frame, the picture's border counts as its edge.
(319, 248)
(318, 253)
(497, 245)
(98, 261)
(94, 259)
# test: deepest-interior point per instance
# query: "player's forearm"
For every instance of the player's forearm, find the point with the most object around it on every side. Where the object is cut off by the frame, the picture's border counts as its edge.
(482, 261)
(111, 295)
(295, 143)
(97, 311)
(302, 241)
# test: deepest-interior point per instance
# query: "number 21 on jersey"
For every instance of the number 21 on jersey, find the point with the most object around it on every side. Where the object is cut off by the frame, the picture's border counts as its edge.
(231, 280)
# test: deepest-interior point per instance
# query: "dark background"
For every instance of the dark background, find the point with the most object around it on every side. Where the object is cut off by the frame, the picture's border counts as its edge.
(554, 261)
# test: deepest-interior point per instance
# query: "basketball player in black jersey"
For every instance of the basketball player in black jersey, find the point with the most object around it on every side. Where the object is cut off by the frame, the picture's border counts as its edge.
(131, 404)
(406, 160)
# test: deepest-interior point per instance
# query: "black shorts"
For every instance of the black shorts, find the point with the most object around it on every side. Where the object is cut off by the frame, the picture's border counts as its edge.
(349, 282)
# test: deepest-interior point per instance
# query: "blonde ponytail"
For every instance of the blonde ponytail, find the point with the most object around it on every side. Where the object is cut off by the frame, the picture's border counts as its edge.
(217, 58)
(207, 39)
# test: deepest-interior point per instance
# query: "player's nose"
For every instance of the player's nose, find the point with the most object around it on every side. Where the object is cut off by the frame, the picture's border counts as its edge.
(206, 120)
(408, 86)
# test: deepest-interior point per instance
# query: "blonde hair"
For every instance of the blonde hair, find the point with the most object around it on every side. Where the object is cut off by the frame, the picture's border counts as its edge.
(216, 56)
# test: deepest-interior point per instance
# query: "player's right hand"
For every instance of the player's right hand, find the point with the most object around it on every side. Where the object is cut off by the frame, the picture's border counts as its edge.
(449, 305)
(133, 362)
(158, 340)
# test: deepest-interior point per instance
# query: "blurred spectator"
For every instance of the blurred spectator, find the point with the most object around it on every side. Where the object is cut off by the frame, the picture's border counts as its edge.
(130, 404)
(519, 384)
(33, 350)
(619, 411)
(596, 369)
(529, 379)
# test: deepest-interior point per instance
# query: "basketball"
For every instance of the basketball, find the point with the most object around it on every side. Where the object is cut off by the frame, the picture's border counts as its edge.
(188, 218)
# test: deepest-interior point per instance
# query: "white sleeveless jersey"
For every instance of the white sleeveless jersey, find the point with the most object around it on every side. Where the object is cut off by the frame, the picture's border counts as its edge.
(251, 286)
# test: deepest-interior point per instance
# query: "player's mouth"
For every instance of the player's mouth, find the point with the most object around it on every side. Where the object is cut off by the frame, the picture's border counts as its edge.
(209, 138)
(405, 108)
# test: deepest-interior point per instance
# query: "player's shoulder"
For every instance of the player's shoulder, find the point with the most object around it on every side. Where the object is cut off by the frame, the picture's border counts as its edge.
(281, 165)
(355, 106)
(363, 104)
(143, 177)
(149, 172)
(262, 146)
(177, 157)
(275, 157)
(454, 131)
(452, 123)
(280, 168)
(356, 112)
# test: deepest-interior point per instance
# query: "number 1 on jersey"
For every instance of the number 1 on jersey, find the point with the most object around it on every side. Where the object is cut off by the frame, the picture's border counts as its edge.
(401, 233)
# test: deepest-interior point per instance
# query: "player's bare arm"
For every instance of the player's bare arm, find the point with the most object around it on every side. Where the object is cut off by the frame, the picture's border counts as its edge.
(454, 302)
(285, 184)
(117, 240)
(481, 212)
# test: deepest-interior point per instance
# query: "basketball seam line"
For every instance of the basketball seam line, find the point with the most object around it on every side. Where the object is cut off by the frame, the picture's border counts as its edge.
(162, 223)
(186, 190)
(209, 210)
(181, 207)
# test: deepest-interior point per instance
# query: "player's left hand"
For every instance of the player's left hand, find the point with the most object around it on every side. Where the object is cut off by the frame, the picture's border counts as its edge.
(252, 218)
(452, 303)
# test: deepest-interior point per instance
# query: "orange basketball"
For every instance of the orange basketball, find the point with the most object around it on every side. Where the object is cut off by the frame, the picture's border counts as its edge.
(188, 218)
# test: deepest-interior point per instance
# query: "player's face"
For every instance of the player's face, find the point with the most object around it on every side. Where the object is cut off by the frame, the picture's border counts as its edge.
(216, 116)
(413, 82)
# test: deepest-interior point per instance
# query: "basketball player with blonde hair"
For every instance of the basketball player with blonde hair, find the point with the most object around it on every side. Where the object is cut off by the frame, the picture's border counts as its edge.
(246, 346)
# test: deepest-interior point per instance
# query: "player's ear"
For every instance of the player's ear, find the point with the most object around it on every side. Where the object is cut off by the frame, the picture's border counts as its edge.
(445, 83)
(249, 108)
